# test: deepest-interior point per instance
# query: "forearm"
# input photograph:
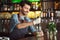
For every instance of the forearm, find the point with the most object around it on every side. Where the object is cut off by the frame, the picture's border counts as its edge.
(24, 25)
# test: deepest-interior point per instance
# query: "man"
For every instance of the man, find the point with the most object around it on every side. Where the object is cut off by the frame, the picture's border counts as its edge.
(20, 24)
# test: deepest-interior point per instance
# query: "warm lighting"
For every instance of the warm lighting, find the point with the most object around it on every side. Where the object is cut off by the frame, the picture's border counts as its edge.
(35, 14)
(15, 12)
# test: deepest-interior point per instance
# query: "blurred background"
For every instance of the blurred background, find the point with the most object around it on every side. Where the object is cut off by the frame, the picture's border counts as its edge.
(39, 8)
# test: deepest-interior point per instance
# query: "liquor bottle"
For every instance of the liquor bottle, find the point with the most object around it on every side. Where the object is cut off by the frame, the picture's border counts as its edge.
(52, 28)
(39, 32)
(44, 12)
(48, 13)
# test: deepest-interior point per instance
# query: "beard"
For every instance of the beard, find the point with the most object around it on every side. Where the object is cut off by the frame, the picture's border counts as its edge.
(25, 12)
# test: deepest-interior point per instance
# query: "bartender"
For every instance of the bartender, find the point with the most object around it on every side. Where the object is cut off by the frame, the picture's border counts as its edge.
(20, 24)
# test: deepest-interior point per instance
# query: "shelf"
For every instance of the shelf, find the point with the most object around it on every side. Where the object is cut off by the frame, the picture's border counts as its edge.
(57, 9)
(11, 11)
(5, 18)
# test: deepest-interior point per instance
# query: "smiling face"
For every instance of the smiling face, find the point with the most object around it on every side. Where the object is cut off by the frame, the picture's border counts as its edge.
(25, 9)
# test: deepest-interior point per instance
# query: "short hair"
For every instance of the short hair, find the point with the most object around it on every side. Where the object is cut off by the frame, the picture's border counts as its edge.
(25, 2)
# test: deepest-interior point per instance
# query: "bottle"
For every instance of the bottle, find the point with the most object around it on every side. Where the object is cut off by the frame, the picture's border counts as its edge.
(52, 28)
(39, 33)
(48, 13)
(44, 13)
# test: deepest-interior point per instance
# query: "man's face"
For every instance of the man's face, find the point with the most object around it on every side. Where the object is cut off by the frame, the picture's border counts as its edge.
(25, 9)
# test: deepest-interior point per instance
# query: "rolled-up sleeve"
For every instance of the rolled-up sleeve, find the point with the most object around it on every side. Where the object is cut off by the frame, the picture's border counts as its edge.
(14, 21)
(31, 28)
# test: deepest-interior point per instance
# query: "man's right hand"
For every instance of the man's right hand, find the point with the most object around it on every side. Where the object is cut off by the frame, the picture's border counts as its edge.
(37, 21)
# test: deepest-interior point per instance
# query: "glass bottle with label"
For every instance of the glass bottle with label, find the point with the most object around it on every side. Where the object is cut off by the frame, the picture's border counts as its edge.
(52, 28)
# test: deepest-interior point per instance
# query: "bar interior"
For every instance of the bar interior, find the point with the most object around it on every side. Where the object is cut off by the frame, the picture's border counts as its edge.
(47, 10)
